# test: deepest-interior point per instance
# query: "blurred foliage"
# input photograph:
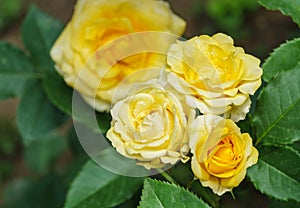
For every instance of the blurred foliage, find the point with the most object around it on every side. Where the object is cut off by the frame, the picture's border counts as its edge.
(247, 22)
(51, 163)
(9, 145)
(47, 192)
(9, 10)
(9, 138)
(41, 154)
(229, 15)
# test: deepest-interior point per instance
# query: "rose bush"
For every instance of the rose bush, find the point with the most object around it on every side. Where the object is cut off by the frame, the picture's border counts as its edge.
(216, 76)
(152, 123)
(97, 23)
(149, 125)
(221, 153)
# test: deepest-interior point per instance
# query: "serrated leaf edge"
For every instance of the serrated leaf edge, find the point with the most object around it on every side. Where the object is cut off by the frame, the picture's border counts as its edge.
(279, 9)
(258, 140)
(275, 51)
(264, 192)
(171, 184)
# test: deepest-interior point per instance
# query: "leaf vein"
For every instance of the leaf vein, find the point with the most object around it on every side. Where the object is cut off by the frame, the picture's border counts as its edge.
(277, 120)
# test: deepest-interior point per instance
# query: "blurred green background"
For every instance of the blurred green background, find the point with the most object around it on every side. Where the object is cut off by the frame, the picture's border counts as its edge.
(40, 175)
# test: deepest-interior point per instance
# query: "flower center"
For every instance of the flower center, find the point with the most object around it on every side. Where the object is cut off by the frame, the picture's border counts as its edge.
(104, 31)
(152, 126)
(224, 158)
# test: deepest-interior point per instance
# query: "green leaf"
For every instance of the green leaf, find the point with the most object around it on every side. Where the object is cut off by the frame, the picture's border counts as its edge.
(133, 202)
(246, 125)
(296, 146)
(36, 116)
(15, 71)
(277, 172)
(47, 192)
(43, 152)
(97, 187)
(112, 160)
(165, 195)
(74, 143)
(85, 114)
(279, 204)
(290, 7)
(58, 92)
(61, 96)
(284, 58)
(206, 194)
(182, 173)
(277, 115)
(39, 31)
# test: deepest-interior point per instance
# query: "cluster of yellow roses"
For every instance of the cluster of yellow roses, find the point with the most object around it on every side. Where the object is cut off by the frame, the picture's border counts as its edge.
(155, 84)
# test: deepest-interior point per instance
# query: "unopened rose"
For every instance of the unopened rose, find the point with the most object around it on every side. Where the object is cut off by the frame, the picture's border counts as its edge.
(216, 76)
(90, 61)
(149, 126)
(221, 153)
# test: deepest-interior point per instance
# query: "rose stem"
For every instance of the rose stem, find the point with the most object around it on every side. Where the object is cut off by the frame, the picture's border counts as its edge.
(166, 176)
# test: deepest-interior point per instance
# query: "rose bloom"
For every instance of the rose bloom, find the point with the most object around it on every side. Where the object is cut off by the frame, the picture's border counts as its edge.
(216, 76)
(221, 154)
(149, 126)
(90, 61)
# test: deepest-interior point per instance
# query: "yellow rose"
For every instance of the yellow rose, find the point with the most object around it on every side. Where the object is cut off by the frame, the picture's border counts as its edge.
(216, 76)
(221, 154)
(149, 126)
(90, 60)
